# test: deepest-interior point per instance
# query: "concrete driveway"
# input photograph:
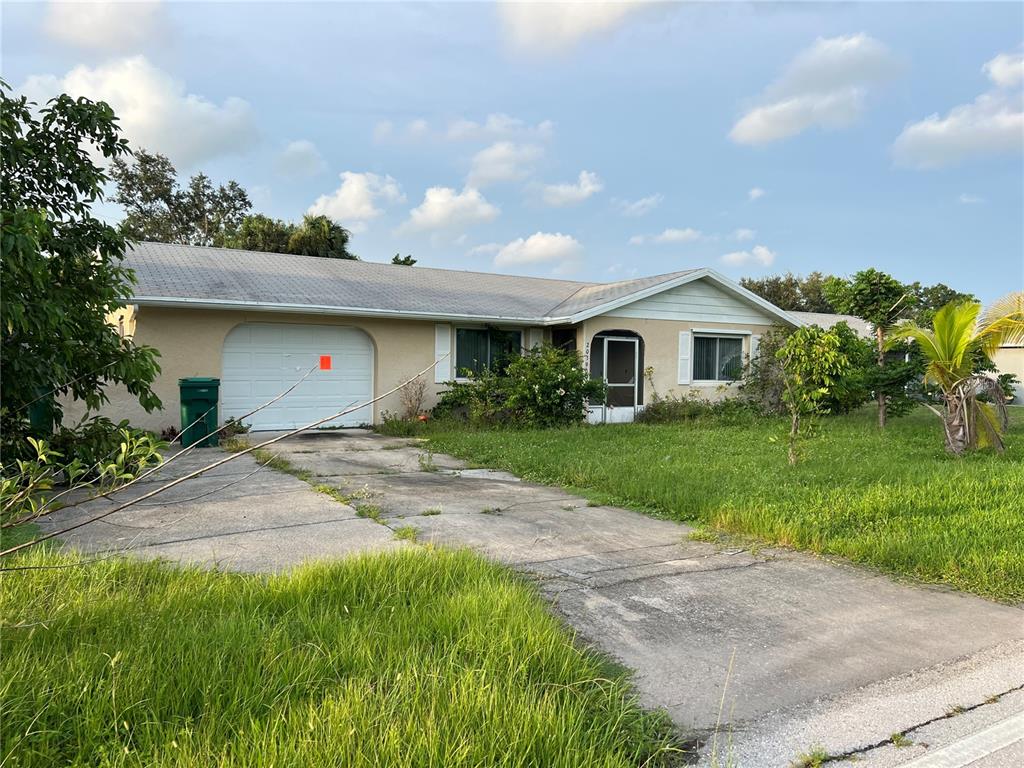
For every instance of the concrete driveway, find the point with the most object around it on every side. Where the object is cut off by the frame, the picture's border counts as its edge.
(794, 651)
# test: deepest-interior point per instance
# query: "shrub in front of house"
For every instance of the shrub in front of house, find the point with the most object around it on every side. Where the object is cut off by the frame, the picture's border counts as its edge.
(673, 409)
(544, 387)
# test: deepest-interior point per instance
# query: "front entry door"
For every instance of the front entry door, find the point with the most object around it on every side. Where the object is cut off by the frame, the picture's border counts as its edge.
(621, 363)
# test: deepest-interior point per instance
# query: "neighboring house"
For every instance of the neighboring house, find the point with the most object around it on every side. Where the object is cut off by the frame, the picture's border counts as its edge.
(823, 320)
(260, 321)
(1010, 359)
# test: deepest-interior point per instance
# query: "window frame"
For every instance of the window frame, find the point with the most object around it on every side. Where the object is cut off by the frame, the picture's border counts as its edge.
(717, 336)
(489, 330)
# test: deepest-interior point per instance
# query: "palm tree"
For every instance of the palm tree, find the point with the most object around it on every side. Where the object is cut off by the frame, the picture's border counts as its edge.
(959, 332)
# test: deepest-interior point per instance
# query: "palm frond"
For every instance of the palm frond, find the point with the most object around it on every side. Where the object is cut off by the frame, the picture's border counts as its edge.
(1002, 323)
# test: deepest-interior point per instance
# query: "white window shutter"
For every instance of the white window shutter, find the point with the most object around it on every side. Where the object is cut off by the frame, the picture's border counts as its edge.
(442, 353)
(535, 337)
(755, 345)
(685, 342)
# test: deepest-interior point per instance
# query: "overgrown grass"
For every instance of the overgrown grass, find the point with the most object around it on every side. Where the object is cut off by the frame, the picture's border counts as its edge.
(413, 658)
(890, 499)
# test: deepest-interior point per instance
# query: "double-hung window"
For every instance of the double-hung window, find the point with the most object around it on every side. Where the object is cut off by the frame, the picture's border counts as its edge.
(717, 358)
(477, 349)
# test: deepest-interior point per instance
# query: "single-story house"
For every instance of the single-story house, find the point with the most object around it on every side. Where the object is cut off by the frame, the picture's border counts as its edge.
(260, 321)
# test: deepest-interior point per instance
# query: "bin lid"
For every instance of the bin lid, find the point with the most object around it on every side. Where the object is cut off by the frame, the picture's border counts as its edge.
(200, 381)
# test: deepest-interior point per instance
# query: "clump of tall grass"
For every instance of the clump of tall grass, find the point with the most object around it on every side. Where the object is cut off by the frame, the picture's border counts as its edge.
(418, 657)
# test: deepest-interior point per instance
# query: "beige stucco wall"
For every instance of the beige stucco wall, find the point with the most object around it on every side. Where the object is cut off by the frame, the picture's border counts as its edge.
(661, 350)
(190, 342)
(1011, 360)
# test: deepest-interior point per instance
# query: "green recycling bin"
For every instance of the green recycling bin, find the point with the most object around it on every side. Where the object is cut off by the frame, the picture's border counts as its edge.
(42, 413)
(199, 396)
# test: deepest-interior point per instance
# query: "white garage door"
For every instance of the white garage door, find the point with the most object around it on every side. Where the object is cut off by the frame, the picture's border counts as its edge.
(261, 360)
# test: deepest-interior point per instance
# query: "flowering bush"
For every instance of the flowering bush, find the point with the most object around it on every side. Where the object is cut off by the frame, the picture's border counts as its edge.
(545, 387)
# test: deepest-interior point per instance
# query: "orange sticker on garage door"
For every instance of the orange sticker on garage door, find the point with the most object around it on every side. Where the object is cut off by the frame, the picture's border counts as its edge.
(325, 362)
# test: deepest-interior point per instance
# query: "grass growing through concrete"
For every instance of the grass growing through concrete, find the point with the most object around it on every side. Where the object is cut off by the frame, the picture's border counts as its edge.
(411, 658)
(890, 499)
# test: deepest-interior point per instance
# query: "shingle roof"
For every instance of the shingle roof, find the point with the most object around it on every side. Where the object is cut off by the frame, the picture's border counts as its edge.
(222, 275)
(824, 320)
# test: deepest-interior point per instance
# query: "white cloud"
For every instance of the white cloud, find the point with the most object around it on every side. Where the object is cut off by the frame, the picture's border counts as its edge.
(418, 128)
(637, 208)
(558, 195)
(300, 158)
(556, 27)
(503, 161)
(824, 86)
(968, 199)
(564, 251)
(498, 125)
(104, 26)
(1006, 70)
(743, 234)
(445, 208)
(756, 255)
(991, 124)
(755, 193)
(155, 111)
(485, 249)
(670, 235)
(355, 202)
(383, 130)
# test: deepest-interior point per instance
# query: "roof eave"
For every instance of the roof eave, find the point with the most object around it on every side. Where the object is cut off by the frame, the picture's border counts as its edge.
(313, 309)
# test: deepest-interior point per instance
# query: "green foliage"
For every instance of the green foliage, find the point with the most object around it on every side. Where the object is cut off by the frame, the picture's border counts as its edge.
(319, 236)
(394, 425)
(883, 301)
(812, 362)
(790, 292)
(929, 299)
(61, 271)
(261, 233)
(95, 458)
(158, 209)
(893, 500)
(673, 409)
(543, 387)
(951, 349)
(851, 389)
(762, 383)
(405, 261)
(417, 657)
(110, 452)
(871, 295)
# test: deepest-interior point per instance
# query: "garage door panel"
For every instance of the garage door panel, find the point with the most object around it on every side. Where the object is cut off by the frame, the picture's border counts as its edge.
(261, 360)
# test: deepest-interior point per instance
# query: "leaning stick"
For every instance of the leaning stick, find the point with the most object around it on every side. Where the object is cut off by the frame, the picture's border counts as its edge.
(221, 462)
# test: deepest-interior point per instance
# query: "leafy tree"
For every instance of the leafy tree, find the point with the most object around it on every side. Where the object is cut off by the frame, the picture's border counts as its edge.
(883, 301)
(950, 348)
(61, 272)
(406, 261)
(319, 236)
(929, 299)
(158, 209)
(261, 233)
(812, 362)
(790, 292)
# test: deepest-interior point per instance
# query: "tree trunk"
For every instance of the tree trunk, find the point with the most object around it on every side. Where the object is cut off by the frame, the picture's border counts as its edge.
(956, 426)
(794, 434)
(880, 336)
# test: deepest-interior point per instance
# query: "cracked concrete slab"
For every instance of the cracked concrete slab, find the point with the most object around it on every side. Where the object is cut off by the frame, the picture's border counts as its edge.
(237, 516)
(802, 652)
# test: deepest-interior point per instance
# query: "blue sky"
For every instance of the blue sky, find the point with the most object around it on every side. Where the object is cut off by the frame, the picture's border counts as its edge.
(592, 142)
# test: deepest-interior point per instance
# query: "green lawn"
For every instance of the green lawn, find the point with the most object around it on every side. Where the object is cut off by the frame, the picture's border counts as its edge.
(418, 658)
(891, 499)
